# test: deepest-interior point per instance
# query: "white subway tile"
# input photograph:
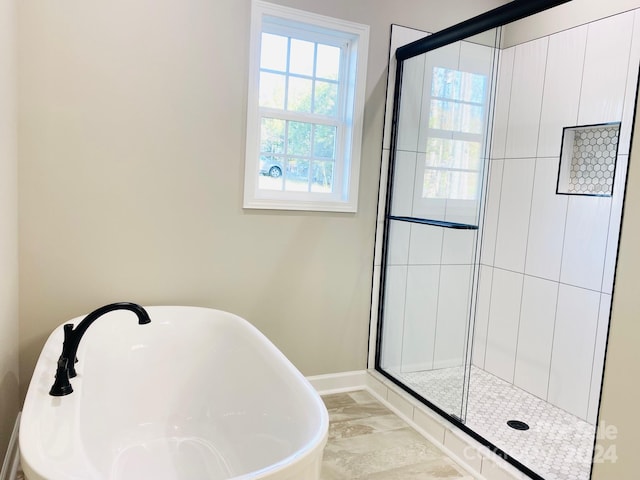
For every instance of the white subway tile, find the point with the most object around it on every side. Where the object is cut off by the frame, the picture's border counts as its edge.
(382, 191)
(573, 347)
(453, 315)
(465, 452)
(482, 316)
(410, 104)
(561, 88)
(526, 98)
(398, 243)
(393, 316)
(425, 247)
(477, 58)
(513, 221)
(462, 211)
(421, 308)
(431, 208)
(492, 210)
(429, 424)
(400, 403)
(535, 335)
(629, 105)
(503, 98)
(458, 246)
(403, 181)
(585, 241)
(546, 225)
(376, 385)
(605, 69)
(491, 470)
(504, 316)
(399, 36)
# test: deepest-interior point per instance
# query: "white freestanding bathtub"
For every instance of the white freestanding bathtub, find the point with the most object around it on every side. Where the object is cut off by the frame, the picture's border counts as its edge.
(196, 394)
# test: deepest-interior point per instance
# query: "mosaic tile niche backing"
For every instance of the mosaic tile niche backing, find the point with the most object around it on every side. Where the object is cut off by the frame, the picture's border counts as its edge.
(588, 159)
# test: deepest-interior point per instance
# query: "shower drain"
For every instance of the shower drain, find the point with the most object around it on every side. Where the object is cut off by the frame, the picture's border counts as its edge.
(518, 425)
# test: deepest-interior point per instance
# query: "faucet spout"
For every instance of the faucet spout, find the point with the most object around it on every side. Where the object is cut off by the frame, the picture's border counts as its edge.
(72, 337)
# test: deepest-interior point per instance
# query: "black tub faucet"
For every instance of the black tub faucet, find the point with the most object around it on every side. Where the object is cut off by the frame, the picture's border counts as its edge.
(72, 337)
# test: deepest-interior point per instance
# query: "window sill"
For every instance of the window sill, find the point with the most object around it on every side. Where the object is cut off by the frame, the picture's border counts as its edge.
(272, 204)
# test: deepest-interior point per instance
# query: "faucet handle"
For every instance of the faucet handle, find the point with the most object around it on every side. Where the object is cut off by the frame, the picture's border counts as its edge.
(66, 349)
(61, 386)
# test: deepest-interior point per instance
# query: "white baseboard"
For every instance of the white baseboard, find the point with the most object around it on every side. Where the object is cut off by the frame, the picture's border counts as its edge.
(12, 457)
(339, 382)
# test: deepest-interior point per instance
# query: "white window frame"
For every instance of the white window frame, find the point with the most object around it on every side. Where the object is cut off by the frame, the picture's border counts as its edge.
(355, 38)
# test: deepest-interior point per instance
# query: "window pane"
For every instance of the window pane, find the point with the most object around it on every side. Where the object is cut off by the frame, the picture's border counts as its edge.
(474, 88)
(457, 117)
(299, 139)
(297, 175)
(273, 53)
(457, 85)
(324, 141)
(326, 99)
(471, 119)
(448, 153)
(270, 175)
(272, 135)
(450, 184)
(445, 83)
(302, 57)
(322, 177)
(299, 95)
(272, 90)
(443, 114)
(328, 62)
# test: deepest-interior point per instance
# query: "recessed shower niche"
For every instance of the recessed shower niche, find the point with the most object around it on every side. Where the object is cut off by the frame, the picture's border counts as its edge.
(588, 159)
(497, 244)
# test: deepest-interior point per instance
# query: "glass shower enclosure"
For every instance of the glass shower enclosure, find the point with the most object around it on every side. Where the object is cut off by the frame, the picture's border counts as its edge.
(498, 254)
(434, 211)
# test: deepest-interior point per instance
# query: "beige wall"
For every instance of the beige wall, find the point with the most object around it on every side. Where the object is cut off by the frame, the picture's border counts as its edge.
(562, 17)
(131, 136)
(621, 392)
(9, 395)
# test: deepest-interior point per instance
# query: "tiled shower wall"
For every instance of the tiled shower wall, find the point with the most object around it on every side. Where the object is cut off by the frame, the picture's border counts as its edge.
(548, 260)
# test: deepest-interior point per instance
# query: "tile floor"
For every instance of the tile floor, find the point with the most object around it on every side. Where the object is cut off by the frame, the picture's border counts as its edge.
(557, 446)
(367, 441)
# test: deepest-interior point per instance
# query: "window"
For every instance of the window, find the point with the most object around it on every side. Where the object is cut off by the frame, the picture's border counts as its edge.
(304, 113)
(456, 129)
